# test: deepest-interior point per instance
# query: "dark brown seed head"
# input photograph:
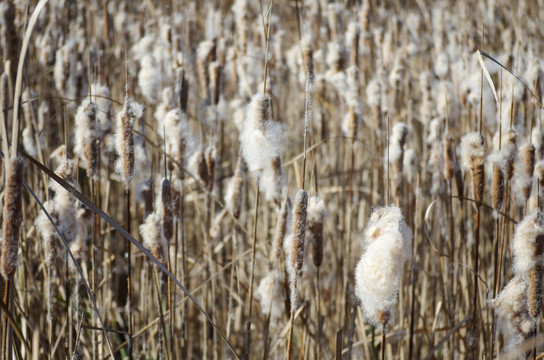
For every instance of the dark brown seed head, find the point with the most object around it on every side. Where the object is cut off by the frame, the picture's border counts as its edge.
(498, 188)
(12, 213)
(449, 157)
(167, 204)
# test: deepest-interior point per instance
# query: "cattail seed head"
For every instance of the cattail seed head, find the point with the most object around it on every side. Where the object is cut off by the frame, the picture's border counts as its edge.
(386, 246)
(449, 157)
(124, 136)
(47, 232)
(498, 188)
(281, 228)
(511, 307)
(316, 217)
(151, 234)
(211, 157)
(472, 158)
(12, 216)
(167, 210)
(233, 195)
(88, 134)
(299, 229)
(527, 158)
(176, 129)
(215, 81)
(535, 290)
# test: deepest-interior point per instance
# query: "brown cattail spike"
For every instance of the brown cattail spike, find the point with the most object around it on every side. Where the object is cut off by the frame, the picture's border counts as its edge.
(238, 182)
(449, 157)
(527, 158)
(316, 210)
(498, 188)
(210, 158)
(12, 213)
(167, 204)
(535, 279)
(299, 229)
(126, 119)
(384, 317)
(281, 228)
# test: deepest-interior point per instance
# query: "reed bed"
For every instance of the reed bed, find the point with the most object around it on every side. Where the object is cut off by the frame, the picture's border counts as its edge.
(304, 179)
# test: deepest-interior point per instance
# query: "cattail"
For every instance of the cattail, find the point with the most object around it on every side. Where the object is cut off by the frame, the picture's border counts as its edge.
(270, 295)
(261, 137)
(233, 195)
(87, 134)
(13, 216)
(410, 165)
(353, 33)
(211, 157)
(316, 216)
(197, 165)
(124, 136)
(527, 158)
(176, 129)
(272, 181)
(151, 234)
(449, 157)
(355, 108)
(472, 158)
(386, 246)
(9, 38)
(281, 228)
(215, 81)
(512, 310)
(204, 55)
(150, 78)
(240, 8)
(183, 92)
(528, 250)
(299, 229)
(167, 210)
(399, 135)
(498, 188)
(47, 232)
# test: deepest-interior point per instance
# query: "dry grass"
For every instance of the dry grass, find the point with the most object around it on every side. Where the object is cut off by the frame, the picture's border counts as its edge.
(244, 105)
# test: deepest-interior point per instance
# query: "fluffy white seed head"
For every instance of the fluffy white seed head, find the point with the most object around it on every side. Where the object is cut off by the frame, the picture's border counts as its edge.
(472, 150)
(511, 308)
(386, 246)
(527, 244)
(261, 137)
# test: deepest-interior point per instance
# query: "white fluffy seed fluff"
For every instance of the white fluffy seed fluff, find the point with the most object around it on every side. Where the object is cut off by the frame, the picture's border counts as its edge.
(47, 232)
(261, 137)
(527, 237)
(410, 165)
(269, 293)
(472, 150)
(150, 78)
(398, 139)
(386, 246)
(374, 92)
(513, 314)
(153, 240)
(177, 130)
(504, 157)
